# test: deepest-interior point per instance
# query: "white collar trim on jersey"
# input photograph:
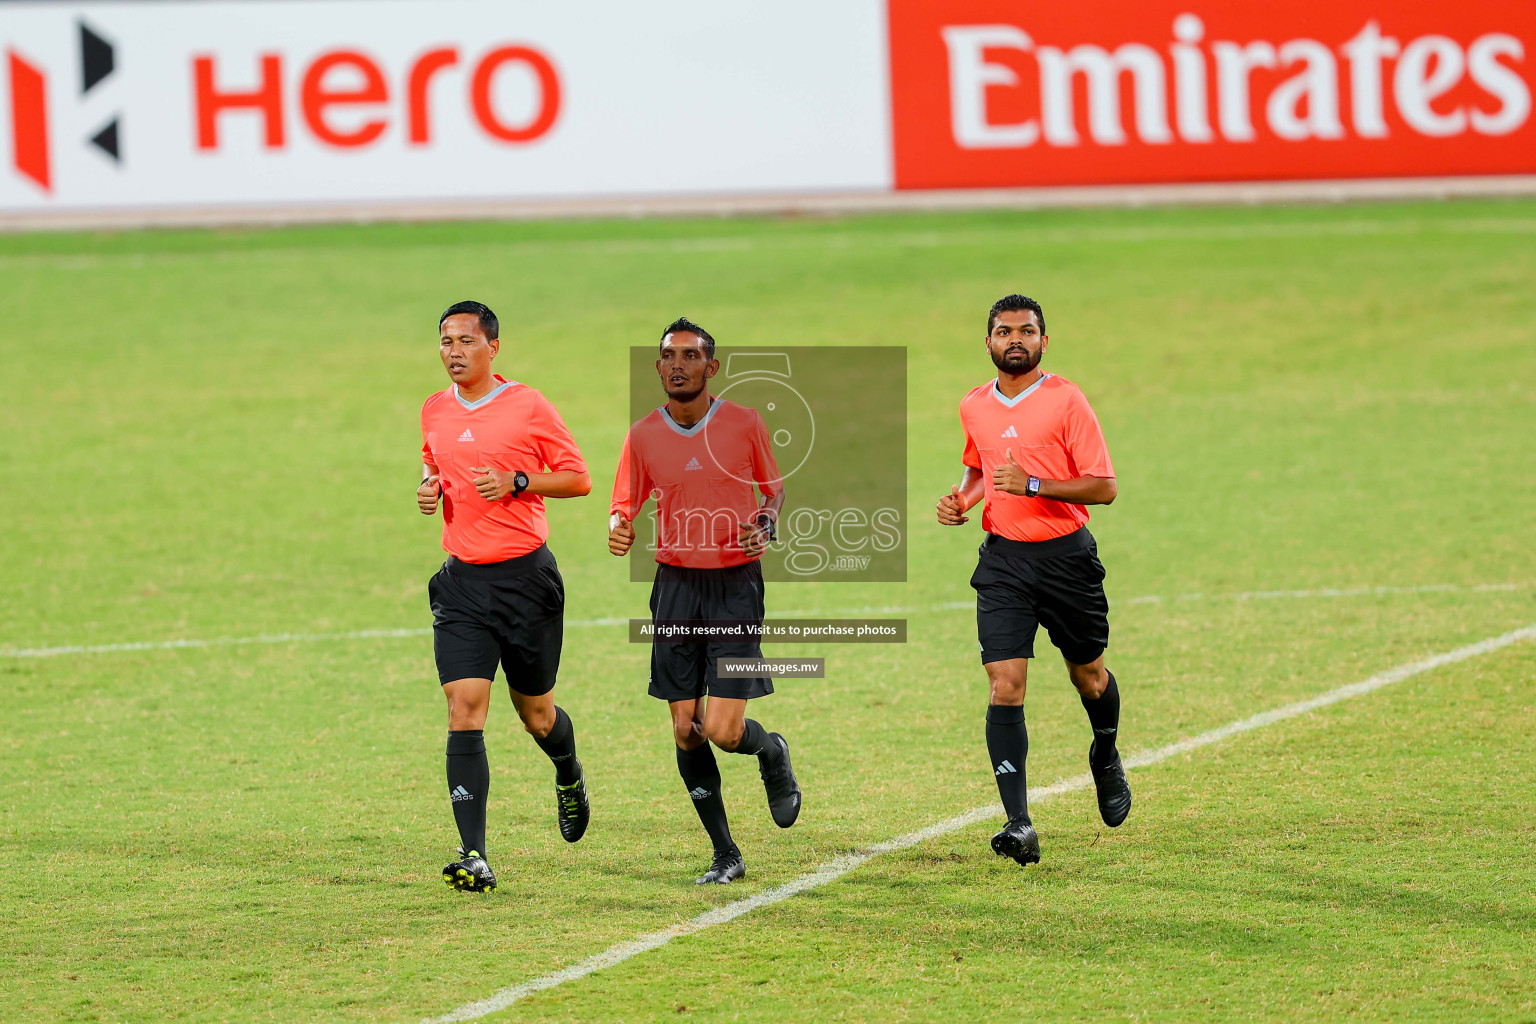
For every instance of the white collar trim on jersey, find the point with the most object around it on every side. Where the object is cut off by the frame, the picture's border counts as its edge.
(666, 417)
(483, 399)
(1016, 399)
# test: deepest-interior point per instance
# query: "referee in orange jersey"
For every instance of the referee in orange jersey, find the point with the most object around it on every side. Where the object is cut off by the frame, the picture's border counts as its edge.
(492, 450)
(705, 460)
(1034, 452)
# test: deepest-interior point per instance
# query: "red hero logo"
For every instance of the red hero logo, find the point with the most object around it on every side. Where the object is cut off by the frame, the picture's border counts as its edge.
(30, 150)
(29, 119)
(352, 79)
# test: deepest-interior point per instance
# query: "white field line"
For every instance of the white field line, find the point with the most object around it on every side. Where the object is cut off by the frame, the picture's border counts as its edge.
(839, 866)
(1357, 227)
(867, 610)
(217, 641)
(1246, 595)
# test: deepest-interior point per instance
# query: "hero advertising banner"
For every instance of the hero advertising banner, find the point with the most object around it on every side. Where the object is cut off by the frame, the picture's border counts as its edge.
(119, 106)
(134, 104)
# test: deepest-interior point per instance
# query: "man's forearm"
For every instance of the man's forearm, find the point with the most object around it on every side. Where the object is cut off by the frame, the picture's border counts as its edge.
(972, 488)
(1083, 490)
(564, 483)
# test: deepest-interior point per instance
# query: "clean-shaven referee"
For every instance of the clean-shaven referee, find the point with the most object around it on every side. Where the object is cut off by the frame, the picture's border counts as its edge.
(492, 451)
(1035, 453)
(705, 460)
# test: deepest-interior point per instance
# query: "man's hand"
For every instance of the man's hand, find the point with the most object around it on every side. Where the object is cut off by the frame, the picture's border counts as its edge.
(426, 495)
(951, 508)
(753, 538)
(1010, 476)
(494, 484)
(621, 535)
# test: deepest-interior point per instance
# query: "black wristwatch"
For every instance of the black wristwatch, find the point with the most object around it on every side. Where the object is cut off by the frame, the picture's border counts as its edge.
(519, 483)
(765, 523)
(1032, 488)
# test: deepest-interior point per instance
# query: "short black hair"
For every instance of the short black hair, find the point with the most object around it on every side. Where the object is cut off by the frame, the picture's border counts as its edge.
(488, 322)
(682, 323)
(1012, 304)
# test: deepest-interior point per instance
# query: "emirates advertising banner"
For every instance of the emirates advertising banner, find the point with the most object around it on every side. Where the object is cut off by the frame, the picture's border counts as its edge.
(996, 93)
(142, 105)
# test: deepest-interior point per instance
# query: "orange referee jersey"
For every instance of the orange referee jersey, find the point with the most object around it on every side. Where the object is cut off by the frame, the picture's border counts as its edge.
(512, 428)
(1053, 434)
(703, 478)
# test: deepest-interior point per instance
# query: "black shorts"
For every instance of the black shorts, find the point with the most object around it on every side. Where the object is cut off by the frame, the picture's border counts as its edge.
(509, 612)
(686, 671)
(1057, 583)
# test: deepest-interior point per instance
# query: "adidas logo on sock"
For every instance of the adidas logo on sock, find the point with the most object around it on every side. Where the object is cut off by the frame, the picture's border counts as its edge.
(460, 793)
(692, 464)
(466, 436)
(1105, 732)
(1005, 768)
(1010, 432)
(700, 793)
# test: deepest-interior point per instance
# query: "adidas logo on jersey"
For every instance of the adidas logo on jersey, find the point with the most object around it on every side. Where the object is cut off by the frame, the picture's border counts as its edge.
(460, 793)
(699, 793)
(1010, 432)
(466, 436)
(1005, 768)
(692, 464)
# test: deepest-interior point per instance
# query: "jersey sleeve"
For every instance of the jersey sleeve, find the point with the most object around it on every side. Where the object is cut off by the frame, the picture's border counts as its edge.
(426, 448)
(765, 468)
(553, 440)
(969, 456)
(631, 484)
(1084, 439)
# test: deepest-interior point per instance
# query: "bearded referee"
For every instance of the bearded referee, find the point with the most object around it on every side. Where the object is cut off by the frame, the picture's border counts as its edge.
(1034, 452)
(706, 460)
(492, 451)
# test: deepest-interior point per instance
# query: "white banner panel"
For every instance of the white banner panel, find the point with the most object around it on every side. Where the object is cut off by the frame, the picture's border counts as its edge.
(143, 105)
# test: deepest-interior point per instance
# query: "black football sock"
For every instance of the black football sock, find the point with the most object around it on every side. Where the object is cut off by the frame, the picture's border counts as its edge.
(560, 745)
(702, 777)
(1104, 716)
(469, 783)
(754, 740)
(1008, 746)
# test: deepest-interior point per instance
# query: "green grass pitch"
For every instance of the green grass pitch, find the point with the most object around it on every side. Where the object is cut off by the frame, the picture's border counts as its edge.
(214, 434)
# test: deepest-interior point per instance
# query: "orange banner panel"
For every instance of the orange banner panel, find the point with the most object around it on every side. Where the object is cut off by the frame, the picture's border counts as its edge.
(997, 93)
